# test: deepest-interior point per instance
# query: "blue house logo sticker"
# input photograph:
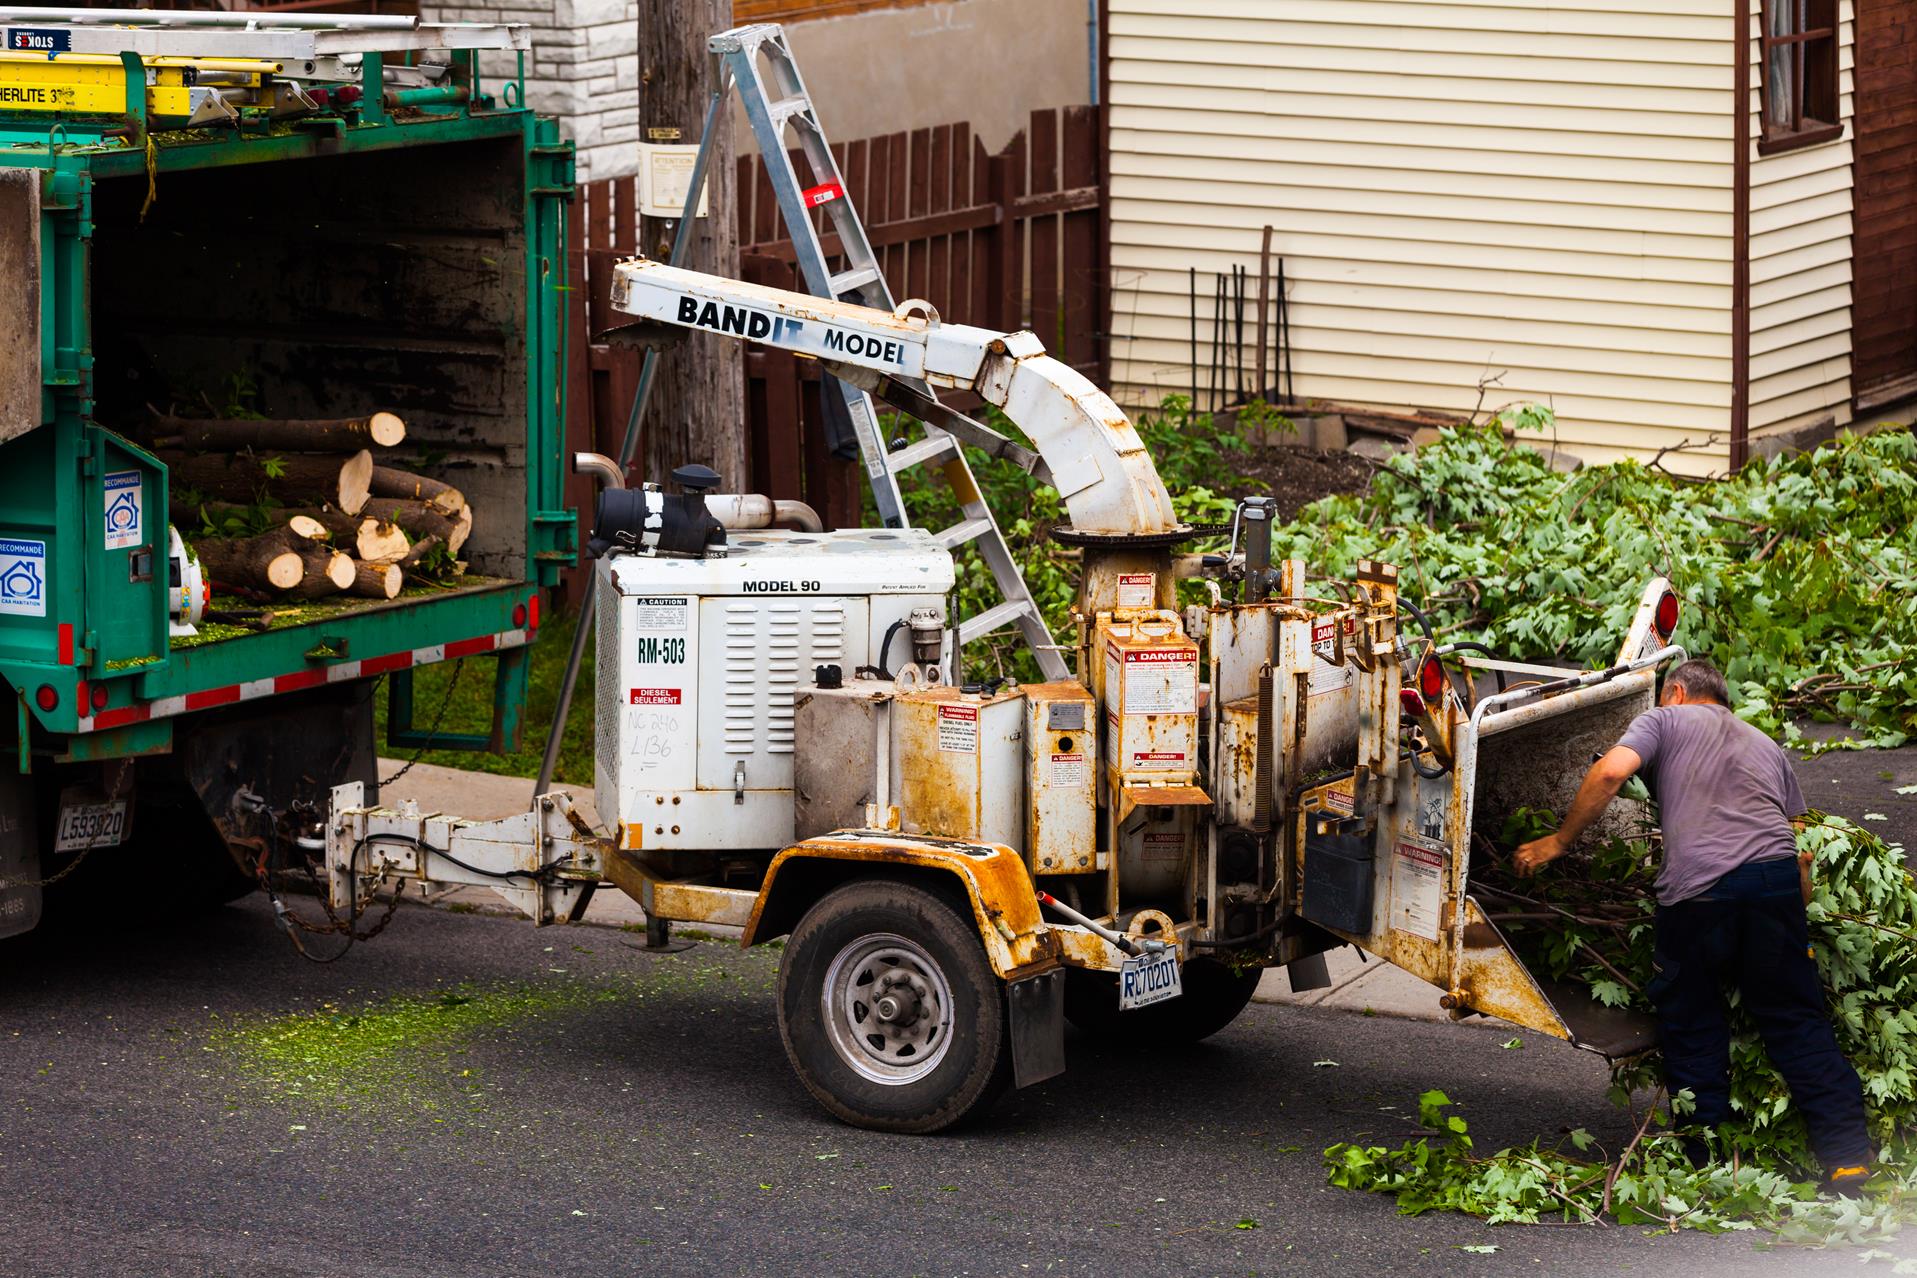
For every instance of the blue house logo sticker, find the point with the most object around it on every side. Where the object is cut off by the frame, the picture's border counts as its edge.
(124, 525)
(23, 578)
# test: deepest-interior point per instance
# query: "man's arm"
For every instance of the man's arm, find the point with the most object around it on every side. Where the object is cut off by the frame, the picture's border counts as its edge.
(1601, 784)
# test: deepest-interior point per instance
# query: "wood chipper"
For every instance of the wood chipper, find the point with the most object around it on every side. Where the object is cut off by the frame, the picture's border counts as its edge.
(787, 743)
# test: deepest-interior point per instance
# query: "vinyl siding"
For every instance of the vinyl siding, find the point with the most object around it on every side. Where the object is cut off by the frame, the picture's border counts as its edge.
(1800, 262)
(1457, 191)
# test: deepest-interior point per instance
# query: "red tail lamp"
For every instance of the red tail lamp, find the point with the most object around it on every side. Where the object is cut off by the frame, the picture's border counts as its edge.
(532, 606)
(1665, 618)
(1431, 678)
(1409, 702)
(519, 617)
(99, 696)
(46, 697)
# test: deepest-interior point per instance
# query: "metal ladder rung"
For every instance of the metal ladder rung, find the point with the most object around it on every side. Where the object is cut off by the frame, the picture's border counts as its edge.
(785, 108)
(856, 278)
(991, 619)
(931, 448)
(959, 534)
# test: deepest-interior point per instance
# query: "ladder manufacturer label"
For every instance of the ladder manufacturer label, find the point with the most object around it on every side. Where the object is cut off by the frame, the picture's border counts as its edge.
(39, 40)
(824, 193)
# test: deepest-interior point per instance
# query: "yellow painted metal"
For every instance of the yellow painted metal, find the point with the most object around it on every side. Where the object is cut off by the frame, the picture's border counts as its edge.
(89, 84)
(1004, 903)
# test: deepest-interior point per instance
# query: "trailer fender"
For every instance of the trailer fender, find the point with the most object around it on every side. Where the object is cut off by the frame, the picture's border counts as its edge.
(993, 877)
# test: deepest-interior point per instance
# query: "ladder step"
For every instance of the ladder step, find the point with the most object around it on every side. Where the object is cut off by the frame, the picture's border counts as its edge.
(853, 280)
(991, 619)
(785, 108)
(959, 534)
(931, 448)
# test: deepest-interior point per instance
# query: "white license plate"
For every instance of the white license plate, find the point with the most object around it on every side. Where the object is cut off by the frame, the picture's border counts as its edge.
(1148, 979)
(90, 825)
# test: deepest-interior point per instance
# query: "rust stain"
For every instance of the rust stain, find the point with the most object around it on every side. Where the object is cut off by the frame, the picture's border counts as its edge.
(996, 883)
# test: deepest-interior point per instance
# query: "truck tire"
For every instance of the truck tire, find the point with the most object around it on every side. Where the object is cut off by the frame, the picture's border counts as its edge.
(1214, 996)
(889, 1010)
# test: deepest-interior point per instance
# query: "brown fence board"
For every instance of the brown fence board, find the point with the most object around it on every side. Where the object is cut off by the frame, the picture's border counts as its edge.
(1043, 180)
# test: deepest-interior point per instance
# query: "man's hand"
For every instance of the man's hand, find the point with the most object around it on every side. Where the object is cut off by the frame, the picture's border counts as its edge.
(1538, 853)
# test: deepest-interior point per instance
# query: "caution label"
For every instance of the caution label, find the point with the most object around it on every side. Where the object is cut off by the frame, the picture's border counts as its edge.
(1068, 770)
(1137, 589)
(1328, 672)
(958, 729)
(1160, 681)
(660, 614)
(1417, 888)
(1161, 846)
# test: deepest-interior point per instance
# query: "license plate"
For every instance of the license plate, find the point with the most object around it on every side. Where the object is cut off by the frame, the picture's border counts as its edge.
(1148, 979)
(90, 824)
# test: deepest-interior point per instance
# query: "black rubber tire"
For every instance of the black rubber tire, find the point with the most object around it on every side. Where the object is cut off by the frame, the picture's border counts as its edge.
(1214, 996)
(976, 1066)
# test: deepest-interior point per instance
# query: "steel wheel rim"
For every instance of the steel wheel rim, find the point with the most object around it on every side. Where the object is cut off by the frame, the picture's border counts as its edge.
(888, 1009)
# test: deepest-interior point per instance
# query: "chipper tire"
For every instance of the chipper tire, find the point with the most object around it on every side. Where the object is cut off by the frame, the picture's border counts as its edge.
(1214, 996)
(889, 1010)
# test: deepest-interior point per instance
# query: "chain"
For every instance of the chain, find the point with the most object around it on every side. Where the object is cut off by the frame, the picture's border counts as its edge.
(292, 924)
(439, 717)
(53, 878)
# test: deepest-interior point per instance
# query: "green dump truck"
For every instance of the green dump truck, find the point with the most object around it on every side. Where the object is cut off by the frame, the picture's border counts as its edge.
(319, 215)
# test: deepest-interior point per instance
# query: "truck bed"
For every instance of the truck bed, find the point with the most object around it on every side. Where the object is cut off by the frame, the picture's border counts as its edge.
(279, 616)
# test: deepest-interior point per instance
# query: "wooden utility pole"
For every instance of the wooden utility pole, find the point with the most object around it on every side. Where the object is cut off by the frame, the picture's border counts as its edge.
(697, 409)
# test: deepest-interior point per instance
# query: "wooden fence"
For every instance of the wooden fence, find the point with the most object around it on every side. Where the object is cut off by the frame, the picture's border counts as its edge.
(1005, 241)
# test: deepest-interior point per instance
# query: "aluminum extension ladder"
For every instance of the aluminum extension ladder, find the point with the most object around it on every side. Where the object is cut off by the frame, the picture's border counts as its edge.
(774, 101)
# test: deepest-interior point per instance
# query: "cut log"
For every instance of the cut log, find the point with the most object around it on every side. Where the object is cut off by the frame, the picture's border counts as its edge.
(377, 581)
(324, 435)
(301, 480)
(422, 520)
(389, 482)
(309, 527)
(271, 561)
(363, 536)
(324, 571)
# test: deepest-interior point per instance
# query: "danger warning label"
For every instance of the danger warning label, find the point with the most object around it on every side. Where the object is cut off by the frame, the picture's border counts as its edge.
(1068, 770)
(1160, 681)
(958, 729)
(1329, 673)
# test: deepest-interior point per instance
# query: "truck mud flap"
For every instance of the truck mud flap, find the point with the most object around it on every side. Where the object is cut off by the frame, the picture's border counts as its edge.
(1037, 1006)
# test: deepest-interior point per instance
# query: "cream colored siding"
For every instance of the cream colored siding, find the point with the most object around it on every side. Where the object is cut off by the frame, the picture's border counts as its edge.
(1800, 263)
(1458, 191)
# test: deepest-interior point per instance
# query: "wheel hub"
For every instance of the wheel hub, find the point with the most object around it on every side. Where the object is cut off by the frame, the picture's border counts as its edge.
(888, 1008)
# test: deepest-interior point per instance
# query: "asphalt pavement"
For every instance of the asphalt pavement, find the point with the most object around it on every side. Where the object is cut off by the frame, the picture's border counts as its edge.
(468, 1095)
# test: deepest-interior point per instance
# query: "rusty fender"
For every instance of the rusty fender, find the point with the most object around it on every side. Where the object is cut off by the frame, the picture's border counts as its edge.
(1004, 902)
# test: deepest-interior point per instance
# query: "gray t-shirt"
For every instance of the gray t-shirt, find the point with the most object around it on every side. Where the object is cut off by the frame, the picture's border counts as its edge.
(1725, 792)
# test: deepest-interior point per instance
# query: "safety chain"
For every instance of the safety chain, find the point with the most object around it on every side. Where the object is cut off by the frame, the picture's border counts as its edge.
(56, 876)
(292, 924)
(439, 717)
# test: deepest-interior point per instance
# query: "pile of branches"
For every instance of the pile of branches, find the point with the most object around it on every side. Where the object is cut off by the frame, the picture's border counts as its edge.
(1799, 575)
(300, 509)
(1588, 919)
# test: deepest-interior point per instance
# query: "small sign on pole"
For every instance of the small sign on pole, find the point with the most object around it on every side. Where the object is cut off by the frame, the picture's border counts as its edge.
(665, 171)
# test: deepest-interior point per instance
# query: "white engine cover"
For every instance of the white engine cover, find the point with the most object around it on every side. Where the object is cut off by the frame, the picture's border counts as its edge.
(699, 660)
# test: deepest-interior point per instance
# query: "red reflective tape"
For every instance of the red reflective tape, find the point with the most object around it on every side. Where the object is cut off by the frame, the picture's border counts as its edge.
(300, 680)
(824, 193)
(213, 697)
(468, 647)
(382, 665)
(119, 717)
(66, 643)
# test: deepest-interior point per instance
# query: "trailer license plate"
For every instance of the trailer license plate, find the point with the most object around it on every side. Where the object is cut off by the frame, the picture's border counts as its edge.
(90, 825)
(1148, 979)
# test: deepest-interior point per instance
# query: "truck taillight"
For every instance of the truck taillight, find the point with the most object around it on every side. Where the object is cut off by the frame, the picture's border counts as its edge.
(46, 697)
(1409, 702)
(1431, 678)
(1665, 618)
(519, 617)
(532, 611)
(99, 695)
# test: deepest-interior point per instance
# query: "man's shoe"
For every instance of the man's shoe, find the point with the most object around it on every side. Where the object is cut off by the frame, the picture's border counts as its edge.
(1847, 1181)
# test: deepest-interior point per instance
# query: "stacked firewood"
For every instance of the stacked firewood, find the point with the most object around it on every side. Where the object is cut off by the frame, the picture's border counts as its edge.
(334, 520)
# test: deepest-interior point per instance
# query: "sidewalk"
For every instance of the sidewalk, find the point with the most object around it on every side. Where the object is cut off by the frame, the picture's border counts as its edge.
(1371, 988)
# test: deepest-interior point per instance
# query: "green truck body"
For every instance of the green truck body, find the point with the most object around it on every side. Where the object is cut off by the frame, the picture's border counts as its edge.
(406, 255)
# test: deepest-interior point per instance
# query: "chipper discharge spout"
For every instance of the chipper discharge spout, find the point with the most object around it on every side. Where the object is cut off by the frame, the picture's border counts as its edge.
(1395, 880)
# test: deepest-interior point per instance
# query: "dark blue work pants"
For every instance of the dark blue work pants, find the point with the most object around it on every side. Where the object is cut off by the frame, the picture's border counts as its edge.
(1748, 929)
